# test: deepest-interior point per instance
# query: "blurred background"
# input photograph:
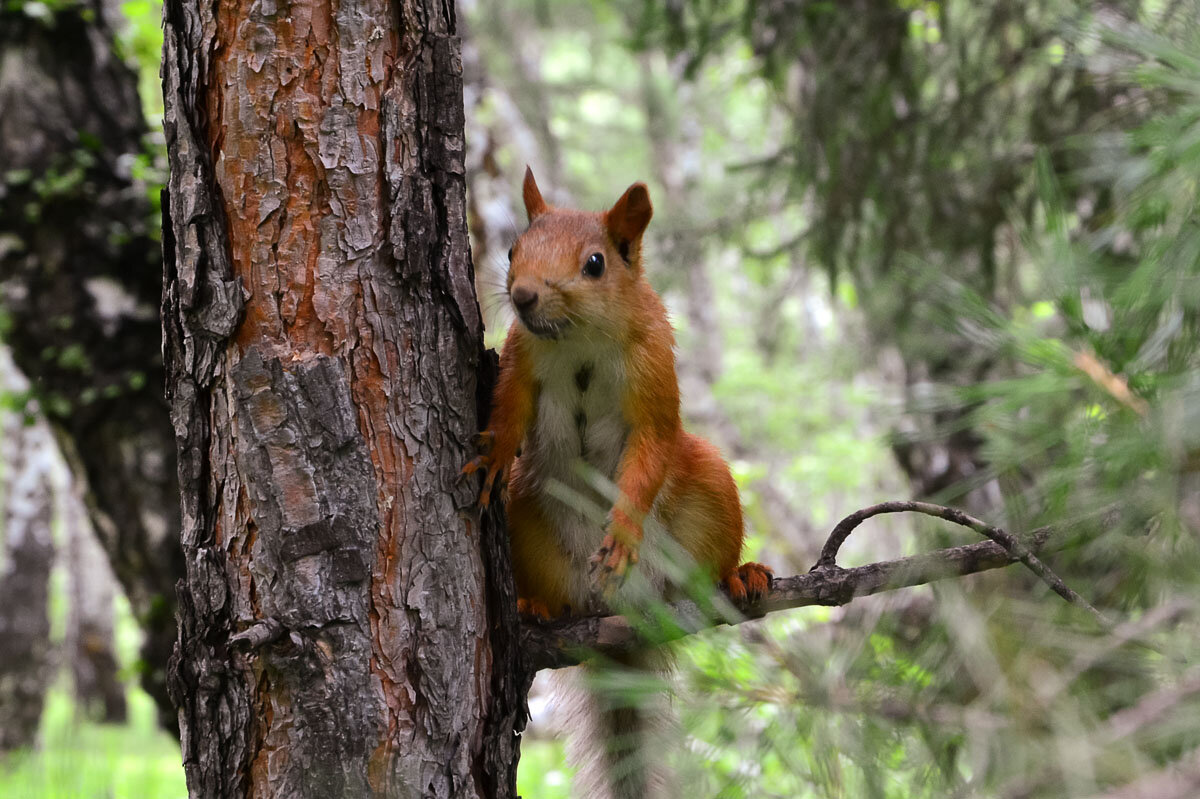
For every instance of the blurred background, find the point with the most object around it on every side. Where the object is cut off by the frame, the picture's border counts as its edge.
(935, 250)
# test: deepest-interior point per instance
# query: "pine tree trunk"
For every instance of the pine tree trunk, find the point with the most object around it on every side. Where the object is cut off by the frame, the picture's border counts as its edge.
(25, 561)
(343, 627)
(80, 279)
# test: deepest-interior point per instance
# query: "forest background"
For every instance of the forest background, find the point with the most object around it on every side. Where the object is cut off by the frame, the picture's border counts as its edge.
(945, 251)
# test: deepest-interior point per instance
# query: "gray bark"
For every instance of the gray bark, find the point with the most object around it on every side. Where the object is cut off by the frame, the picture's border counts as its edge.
(79, 283)
(25, 562)
(347, 622)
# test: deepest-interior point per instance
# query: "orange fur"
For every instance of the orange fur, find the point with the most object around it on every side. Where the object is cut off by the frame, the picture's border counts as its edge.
(539, 565)
(570, 315)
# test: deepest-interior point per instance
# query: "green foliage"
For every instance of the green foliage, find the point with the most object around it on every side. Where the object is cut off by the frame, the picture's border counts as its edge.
(543, 774)
(82, 760)
(42, 11)
(971, 222)
(141, 39)
(76, 758)
(1094, 432)
(1115, 369)
(79, 759)
(1000, 197)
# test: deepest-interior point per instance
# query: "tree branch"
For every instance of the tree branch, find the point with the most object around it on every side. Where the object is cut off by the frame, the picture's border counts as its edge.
(1005, 539)
(565, 643)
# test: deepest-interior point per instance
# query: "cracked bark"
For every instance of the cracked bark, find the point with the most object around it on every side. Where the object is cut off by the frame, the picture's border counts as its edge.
(343, 628)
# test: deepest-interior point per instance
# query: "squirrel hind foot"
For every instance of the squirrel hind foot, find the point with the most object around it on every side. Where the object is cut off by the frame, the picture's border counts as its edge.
(534, 608)
(493, 470)
(748, 583)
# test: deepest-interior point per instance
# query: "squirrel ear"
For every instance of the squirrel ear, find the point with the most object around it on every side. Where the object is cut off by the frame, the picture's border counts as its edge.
(627, 219)
(535, 206)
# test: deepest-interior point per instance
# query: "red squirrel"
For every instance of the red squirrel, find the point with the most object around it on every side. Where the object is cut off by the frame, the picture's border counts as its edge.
(587, 376)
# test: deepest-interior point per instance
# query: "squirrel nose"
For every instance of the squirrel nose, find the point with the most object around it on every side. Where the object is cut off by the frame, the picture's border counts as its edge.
(523, 297)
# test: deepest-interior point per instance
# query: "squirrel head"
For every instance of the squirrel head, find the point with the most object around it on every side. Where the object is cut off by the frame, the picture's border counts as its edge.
(575, 269)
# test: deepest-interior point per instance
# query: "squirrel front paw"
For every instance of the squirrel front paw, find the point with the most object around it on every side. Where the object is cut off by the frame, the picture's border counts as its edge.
(618, 551)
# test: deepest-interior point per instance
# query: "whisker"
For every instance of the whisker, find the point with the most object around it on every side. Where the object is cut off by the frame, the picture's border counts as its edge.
(586, 329)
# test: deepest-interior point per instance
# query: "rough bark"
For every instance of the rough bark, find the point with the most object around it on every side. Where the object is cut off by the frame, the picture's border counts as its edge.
(79, 283)
(99, 692)
(25, 562)
(339, 633)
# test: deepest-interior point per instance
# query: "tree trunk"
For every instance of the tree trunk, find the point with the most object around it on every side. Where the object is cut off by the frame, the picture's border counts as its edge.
(99, 692)
(346, 623)
(25, 562)
(80, 280)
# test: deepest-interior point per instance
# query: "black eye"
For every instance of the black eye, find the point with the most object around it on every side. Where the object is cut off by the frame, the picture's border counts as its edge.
(594, 266)
(510, 255)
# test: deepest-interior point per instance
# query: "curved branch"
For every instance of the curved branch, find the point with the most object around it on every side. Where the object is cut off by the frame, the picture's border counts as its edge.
(1005, 539)
(564, 643)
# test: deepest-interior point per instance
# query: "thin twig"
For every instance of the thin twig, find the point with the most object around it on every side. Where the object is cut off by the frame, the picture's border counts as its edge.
(1013, 545)
(1177, 780)
(1150, 708)
(1136, 631)
(1118, 727)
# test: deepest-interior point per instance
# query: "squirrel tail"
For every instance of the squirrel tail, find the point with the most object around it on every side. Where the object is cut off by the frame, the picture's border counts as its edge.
(617, 719)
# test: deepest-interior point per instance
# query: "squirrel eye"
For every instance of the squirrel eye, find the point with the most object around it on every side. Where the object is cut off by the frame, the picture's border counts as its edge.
(594, 266)
(510, 255)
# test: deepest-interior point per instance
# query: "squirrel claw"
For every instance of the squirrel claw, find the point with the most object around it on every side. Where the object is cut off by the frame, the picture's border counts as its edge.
(493, 471)
(475, 464)
(611, 563)
(485, 496)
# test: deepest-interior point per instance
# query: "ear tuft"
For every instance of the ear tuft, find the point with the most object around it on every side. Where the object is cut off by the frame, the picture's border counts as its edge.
(535, 206)
(628, 218)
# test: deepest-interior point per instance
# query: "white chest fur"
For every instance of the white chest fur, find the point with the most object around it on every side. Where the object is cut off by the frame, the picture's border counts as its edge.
(578, 435)
(573, 453)
(579, 416)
